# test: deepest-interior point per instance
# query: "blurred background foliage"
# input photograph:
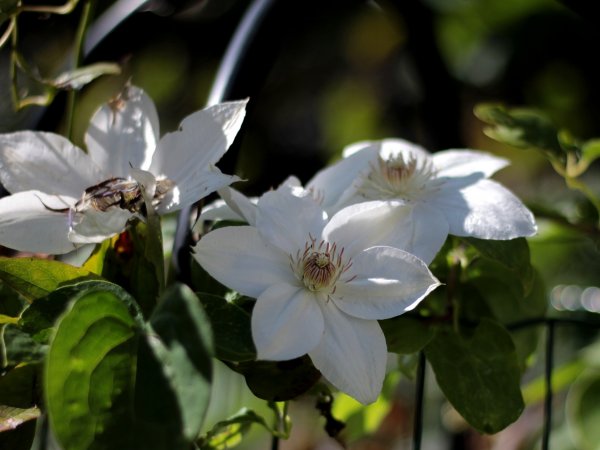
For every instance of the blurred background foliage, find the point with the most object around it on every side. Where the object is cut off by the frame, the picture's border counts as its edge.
(324, 74)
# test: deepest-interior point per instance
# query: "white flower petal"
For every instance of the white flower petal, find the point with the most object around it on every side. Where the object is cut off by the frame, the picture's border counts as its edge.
(288, 221)
(46, 162)
(241, 260)
(93, 226)
(123, 133)
(413, 227)
(330, 184)
(460, 163)
(352, 354)
(26, 223)
(485, 210)
(242, 206)
(189, 191)
(384, 282)
(287, 322)
(201, 141)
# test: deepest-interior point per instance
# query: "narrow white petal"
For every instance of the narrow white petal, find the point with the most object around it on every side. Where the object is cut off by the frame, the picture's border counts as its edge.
(189, 191)
(92, 226)
(413, 227)
(46, 162)
(243, 206)
(460, 163)
(123, 133)
(287, 322)
(26, 223)
(352, 354)
(331, 183)
(485, 210)
(202, 139)
(238, 258)
(384, 282)
(288, 221)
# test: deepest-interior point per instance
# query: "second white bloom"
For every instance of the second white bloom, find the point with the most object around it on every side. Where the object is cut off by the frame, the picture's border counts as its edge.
(320, 287)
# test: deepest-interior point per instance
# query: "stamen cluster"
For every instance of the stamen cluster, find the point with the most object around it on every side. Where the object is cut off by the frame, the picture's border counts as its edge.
(400, 176)
(320, 265)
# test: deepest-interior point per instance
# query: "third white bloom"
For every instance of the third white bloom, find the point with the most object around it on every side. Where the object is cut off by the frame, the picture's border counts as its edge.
(321, 285)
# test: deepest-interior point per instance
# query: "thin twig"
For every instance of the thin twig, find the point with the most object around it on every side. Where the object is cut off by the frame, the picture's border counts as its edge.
(77, 58)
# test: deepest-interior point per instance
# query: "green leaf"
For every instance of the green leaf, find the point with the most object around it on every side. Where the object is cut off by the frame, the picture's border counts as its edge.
(590, 151)
(111, 382)
(479, 375)
(520, 127)
(28, 340)
(406, 335)
(185, 350)
(78, 78)
(231, 328)
(278, 380)
(90, 371)
(228, 433)
(512, 254)
(35, 278)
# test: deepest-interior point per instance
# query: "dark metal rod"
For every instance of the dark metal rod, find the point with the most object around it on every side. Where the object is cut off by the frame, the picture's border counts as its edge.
(419, 397)
(275, 443)
(221, 87)
(549, 363)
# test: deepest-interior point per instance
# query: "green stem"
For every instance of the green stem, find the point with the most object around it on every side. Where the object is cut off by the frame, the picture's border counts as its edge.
(45, 9)
(77, 57)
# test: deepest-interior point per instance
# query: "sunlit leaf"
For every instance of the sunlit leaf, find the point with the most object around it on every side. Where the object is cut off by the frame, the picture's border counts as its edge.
(78, 78)
(520, 127)
(231, 328)
(34, 278)
(479, 375)
(406, 335)
(11, 417)
(228, 433)
(90, 371)
(27, 341)
(590, 151)
(111, 382)
(7, 319)
(17, 427)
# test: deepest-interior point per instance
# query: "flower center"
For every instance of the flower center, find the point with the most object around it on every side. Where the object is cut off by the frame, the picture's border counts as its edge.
(320, 265)
(401, 176)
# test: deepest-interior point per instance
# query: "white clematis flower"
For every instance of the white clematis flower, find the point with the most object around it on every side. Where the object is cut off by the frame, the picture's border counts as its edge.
(424, 197)
(63, 197)
(320, 287)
